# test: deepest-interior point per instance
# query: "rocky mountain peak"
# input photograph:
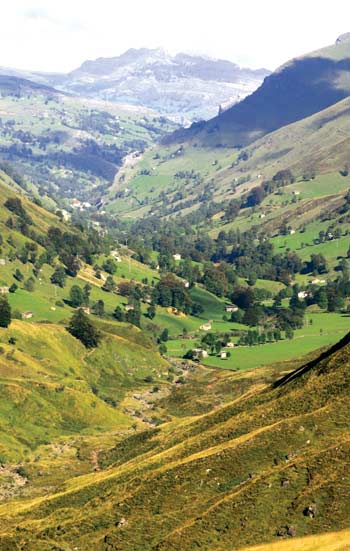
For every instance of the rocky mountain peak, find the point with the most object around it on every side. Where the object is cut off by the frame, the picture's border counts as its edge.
(343, 38)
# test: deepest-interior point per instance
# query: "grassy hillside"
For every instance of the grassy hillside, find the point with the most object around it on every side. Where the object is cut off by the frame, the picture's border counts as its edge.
(339, 541)
(267, 464)
(52, 387)
(190, 176)
(66, 146)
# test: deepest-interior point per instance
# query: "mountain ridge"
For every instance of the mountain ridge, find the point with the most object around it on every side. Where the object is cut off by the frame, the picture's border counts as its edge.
(296, 90)
(183, 86)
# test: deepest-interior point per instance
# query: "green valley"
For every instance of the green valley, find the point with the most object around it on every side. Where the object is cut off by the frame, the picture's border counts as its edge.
(175, 300)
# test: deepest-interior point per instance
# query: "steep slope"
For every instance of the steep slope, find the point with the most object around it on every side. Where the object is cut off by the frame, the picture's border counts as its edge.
(18, 87)
(183, 86)
(315, 146)
(296, 90)
(52, 387)
(58, 398)
(268, 465)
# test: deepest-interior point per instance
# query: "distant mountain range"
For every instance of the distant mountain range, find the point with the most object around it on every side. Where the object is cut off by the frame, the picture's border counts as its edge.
(298, 89)
(183, 86)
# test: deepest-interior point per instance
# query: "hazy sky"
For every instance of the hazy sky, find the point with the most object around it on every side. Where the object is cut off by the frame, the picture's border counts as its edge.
(57, 35)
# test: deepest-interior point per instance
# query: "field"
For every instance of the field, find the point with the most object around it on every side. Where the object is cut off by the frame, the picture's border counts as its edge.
(320, 330)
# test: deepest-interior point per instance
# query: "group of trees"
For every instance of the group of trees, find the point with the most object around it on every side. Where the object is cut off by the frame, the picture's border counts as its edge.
(255, 337)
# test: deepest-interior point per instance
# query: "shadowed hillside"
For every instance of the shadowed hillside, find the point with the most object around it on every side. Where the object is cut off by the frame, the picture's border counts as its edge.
(297, 90)
(14, 86)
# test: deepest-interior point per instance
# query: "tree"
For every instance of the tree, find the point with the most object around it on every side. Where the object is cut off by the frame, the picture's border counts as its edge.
(82, 329)
(99, 308)
(255, 197)
(151, 311)
(72, 263)
(232, 210)
(109, 285)
(163, 349)
(172, 292)
(18, 275)
(284, 177)
(321, 299)
(118, 314)
(76, 296)
(13, 288)
(215, 281)
(134, 316)
(59, 277)
(109, 266)
(86, 293)
(237, 317)
(164, 336)
(218, 346)
(197, 309)
(14, 204)
(252, 279)
(29, 284)
(210, 340)
(5, 312)
(253, 315)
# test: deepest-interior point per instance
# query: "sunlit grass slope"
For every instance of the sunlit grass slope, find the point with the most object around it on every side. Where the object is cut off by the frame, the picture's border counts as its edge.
(51, 386)
(268, 461)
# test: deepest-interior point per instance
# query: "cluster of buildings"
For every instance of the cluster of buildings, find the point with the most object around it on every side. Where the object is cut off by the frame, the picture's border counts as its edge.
(80, 205)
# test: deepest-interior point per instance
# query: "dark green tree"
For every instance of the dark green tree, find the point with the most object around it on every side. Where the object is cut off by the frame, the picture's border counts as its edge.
(164, 336)
(59, 277)
(29, 284)
(134, 316)
(151, 311)
(18, 275)
(5, 312)
(119, 314)
(86, 293)
(99, 308)
(109, 266)
(76, 296)
(82, 329)
(162, 349)
(109, 285)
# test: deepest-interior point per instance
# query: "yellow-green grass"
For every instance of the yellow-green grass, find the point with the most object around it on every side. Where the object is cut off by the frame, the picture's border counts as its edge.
(129, 268)
(174, 323)
(321, 185)
(51, 386)
(208, 479)
(338, 541)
